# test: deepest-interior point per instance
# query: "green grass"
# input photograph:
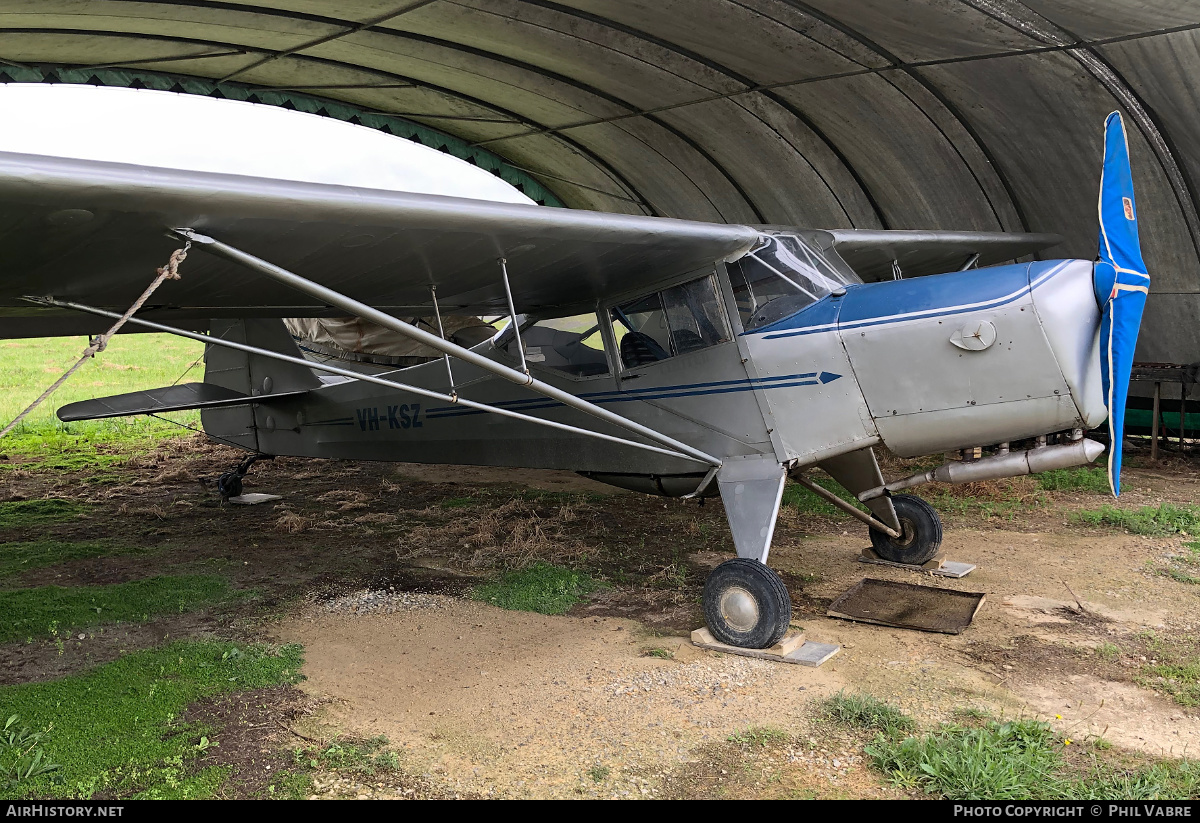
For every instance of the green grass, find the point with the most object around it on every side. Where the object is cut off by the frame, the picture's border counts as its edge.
(760, 736)
(1173, 668)
(23, 514)
(1082, 478)
(599, 773)
(1020, 760)
(1000, 761)
(659, 652)
(54, 610)
(805, 502)
(862, 711)
(1181, 567)
(1180, 679)
(1180, 576)
(1171, 780)
(20, 557)
(100, 453)
(1164, 519)
(363, 758)
(115, 730)
(952, 501)
(22, 755)
(542, 588)
(131, 362)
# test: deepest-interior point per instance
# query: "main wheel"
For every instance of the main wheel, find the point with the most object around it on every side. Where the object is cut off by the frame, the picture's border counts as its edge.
(746, 604)
(920, 533)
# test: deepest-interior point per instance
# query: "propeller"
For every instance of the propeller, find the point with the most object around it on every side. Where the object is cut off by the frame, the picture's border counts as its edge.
(1121, 284)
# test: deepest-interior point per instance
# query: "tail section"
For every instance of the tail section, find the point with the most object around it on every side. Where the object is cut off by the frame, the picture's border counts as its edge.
(250, 376)
(233, 382)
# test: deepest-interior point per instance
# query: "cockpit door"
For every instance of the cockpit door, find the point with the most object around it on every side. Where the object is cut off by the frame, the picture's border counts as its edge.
(675, 350)
(787, 297)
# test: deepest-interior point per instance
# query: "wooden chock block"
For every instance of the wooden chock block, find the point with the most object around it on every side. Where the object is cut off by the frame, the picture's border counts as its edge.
(792, 649)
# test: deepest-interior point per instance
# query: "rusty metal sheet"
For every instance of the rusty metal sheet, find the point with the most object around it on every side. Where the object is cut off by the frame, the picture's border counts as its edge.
(908, 606)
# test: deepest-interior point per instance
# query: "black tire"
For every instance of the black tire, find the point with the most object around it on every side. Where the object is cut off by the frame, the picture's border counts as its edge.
(920, 533)
(229, 485)
(746, 604)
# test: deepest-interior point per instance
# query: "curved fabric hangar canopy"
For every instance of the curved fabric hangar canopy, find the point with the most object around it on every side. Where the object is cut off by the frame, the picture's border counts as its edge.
(950, 114)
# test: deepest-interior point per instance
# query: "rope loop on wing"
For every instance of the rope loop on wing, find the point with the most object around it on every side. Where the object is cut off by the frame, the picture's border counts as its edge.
(100, 343)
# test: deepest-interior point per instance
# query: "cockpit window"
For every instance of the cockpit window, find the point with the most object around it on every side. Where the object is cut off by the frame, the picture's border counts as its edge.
(571, 345)
(780, 278)
(671, 322)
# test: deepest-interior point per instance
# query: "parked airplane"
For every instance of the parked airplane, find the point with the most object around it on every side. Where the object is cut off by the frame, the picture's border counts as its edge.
(671, 357)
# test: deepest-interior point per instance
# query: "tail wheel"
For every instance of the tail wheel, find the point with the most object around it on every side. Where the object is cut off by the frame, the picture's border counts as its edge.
(920, 533)
(746, 604)
(229, 484)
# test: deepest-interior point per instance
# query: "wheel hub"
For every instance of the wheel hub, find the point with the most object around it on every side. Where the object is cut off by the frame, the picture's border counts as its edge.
(908, 533)
(739, 609)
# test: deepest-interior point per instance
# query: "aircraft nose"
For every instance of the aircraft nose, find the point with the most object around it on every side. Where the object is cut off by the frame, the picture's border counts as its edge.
(1067, 307)
(977, 357)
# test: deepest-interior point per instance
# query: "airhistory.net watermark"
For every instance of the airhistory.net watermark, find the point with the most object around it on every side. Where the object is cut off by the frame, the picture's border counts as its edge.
(51, 810)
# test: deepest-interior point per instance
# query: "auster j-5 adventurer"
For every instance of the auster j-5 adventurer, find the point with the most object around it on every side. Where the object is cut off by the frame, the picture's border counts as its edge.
(670, 357)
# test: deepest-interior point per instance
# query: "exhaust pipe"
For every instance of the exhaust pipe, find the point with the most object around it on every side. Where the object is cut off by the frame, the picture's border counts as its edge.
(1014, 464)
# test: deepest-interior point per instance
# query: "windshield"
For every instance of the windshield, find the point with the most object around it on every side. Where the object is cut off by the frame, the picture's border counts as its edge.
(780, 278)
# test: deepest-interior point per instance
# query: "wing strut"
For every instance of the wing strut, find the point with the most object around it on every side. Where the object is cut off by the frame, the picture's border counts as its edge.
(366, 378)
(442, 332)
(341, 301)
(512, 314)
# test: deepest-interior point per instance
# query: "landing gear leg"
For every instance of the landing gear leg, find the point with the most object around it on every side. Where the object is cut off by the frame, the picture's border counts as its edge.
(920, 533)
(746, 604)
(229, 484)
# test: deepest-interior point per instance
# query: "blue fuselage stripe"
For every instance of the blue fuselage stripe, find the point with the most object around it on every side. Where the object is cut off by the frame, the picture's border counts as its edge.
(659, 393)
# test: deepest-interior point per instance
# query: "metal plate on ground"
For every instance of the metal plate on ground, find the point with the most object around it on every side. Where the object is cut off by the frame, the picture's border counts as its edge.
(813, 653)
(254, 498)
(907, 606)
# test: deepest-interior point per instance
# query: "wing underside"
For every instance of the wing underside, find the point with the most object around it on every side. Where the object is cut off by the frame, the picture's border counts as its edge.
(94, 232)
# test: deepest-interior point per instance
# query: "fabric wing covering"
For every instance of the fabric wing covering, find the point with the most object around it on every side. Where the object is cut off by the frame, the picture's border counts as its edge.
(1122, 285)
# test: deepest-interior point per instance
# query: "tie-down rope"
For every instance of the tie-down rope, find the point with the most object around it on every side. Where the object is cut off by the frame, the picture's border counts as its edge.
(98, 344)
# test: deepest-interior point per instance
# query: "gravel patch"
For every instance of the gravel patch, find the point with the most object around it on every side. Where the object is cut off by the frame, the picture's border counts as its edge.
(367, 601)
(702, 678)
(820, 760)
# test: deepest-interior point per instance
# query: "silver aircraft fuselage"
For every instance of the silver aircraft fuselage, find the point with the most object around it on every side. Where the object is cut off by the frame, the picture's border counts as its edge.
(926, 365)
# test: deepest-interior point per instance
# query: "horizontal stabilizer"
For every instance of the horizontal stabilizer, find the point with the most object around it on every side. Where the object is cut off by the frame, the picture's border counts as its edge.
(153, 401)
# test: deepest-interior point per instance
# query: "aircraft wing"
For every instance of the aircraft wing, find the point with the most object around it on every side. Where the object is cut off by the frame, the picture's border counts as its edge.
(94, 232)
(870, 253)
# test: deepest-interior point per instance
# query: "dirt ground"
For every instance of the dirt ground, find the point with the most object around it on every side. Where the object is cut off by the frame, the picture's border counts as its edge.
(367, 566)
